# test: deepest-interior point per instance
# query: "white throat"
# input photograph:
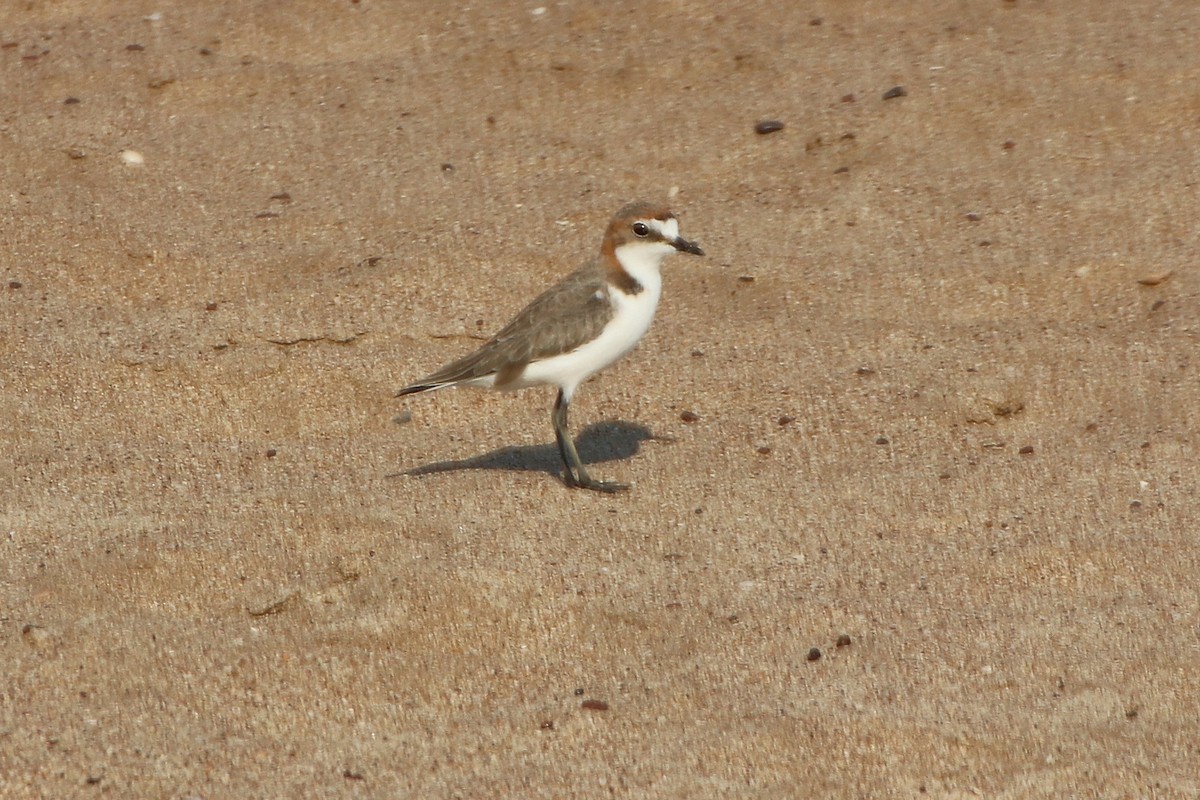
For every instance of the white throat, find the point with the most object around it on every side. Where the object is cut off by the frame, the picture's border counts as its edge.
(643, 262)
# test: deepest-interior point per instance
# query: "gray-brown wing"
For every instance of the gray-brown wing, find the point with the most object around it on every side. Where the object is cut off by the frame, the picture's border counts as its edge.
(559, 320)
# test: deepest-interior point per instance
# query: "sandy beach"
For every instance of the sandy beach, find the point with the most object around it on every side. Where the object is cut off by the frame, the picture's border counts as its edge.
(913, 448)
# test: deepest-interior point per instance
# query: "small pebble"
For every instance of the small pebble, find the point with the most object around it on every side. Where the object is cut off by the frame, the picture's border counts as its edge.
(974, 217)
(894, 92)
(882, 440)
(814, 654)
(786, 419)
(133, 158)
(765, 126)
(547, 725)
(72, 101)
(844, 640)
(36, 635)
(135, 48)
(15, 284)
(689, 417)
(848, 98)
(1155, 279)
(764, 450)
(210, 307)
(1009, 144)
(1027, 450)
(272, 452)
(594, 705)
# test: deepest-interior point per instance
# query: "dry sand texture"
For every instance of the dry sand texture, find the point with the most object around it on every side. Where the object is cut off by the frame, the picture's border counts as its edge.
(933, 390)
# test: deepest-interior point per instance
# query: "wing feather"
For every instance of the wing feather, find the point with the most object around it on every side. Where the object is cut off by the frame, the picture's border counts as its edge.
(561, 319)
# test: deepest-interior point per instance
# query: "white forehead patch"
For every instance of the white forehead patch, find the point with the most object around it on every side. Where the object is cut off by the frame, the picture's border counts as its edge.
(669, 228)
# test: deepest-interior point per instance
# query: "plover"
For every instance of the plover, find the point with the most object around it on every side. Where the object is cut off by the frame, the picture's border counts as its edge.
(579, 326)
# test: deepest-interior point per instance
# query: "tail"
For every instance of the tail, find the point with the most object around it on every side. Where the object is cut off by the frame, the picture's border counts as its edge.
(417, 388)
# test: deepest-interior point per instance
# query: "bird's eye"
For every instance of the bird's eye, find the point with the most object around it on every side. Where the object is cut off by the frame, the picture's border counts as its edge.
(641, 229)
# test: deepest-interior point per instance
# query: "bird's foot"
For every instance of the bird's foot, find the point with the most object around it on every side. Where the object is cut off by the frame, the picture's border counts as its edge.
(585, 481)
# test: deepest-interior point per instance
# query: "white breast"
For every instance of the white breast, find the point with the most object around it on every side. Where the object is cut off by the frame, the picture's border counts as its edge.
(632, 315)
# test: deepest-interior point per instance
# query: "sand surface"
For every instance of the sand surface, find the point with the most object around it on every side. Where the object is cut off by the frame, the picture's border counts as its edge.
(932, 394)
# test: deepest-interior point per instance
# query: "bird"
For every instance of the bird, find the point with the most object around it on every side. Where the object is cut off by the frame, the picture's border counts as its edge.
(579, 326)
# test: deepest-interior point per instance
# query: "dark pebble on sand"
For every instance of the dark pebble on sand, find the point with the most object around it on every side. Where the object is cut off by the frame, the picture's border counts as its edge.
(814, 654)
(844, 641)
(894, 92)
(689, 416)
(595, 705)
(765, 126)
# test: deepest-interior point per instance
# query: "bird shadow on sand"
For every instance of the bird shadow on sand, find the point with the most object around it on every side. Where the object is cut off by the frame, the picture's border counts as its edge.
(596, 443)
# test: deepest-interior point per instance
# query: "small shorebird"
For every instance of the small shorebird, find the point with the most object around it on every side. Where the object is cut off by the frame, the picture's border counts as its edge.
(579, 326)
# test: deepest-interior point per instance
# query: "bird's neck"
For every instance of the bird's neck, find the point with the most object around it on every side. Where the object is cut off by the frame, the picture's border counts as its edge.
(633, 270)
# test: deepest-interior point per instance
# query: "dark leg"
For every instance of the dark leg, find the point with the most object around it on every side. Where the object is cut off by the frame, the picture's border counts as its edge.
(576, 474)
